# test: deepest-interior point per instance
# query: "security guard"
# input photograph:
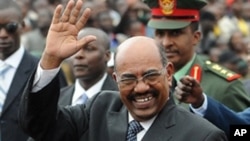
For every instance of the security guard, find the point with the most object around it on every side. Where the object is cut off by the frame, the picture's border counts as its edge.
(176, 23)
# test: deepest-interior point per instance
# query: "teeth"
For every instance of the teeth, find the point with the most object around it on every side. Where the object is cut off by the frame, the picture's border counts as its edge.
(144, 99)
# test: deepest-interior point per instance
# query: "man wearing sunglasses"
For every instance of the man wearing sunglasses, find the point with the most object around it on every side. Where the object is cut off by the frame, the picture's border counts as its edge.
(16, 65)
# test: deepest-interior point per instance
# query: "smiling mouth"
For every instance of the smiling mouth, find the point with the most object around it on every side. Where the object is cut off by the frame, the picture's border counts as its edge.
(145, 99)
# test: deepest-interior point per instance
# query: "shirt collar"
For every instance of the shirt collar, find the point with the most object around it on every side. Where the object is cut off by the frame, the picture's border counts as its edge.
(183, 71)
(14, 59)
(96, 88)
(145, 124)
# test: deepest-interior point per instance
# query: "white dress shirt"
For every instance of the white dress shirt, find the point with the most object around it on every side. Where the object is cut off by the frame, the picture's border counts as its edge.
(79, 90)
(14, 61)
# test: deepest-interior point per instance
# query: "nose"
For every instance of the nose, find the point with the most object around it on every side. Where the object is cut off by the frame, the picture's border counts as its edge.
(141, 86)
(3, 33)
(79, 55)
(166, 40)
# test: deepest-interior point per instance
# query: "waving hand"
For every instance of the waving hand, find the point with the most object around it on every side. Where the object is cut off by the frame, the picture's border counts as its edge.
(62, 39)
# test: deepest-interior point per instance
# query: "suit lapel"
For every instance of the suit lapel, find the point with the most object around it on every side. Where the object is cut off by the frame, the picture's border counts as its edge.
(117, 124)
(109, 84)
(66, 95)
(160, 130)
(25, 68)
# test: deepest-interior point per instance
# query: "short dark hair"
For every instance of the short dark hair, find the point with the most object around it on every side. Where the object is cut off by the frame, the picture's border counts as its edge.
(5, 4)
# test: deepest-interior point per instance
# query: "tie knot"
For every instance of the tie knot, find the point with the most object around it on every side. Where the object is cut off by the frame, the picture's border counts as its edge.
(4, 67)
(134, 127)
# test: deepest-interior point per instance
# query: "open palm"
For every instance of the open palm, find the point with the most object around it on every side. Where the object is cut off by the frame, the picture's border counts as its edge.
(62, 39)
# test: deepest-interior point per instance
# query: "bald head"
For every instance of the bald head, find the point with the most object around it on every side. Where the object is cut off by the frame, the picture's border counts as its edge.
(100, 35)
(140, 47)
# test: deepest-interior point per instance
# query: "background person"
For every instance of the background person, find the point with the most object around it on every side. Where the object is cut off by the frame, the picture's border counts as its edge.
(176, 29)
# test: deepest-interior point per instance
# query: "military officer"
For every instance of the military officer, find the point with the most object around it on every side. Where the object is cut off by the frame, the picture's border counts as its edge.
(176, 24)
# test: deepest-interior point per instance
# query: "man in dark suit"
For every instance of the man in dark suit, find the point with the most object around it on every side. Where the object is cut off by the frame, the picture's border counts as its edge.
(143, 75)
(176, 23)
(21, 65)
(89, 66)
(189, 90)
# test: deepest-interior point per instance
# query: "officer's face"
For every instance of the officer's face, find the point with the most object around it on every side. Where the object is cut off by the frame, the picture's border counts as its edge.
(142, 79)
(179, 44)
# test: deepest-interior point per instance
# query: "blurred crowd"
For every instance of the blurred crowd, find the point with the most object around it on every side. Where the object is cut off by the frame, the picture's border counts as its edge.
(225, 25)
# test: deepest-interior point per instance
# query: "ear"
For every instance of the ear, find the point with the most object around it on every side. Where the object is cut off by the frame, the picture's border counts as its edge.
(197, 37)
(107, 55)
(23, 24)
(114, 76)
(169, 72)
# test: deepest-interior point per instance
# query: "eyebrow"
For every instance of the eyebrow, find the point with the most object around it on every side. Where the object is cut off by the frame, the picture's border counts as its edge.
(144, 73)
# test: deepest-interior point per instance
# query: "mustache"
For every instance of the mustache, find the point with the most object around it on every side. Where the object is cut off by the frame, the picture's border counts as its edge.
(169, 50)
(133, 95)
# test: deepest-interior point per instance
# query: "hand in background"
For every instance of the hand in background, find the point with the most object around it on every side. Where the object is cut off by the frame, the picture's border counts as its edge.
(62, 39)
(188, 90)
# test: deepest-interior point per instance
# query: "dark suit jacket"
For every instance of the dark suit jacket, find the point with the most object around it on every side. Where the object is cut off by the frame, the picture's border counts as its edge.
(9, 122)
(67, 92)
(223, 117)
(104, 118)
(10, 131)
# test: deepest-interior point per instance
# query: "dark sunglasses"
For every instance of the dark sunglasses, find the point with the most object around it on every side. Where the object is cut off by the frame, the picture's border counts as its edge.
(9, 27)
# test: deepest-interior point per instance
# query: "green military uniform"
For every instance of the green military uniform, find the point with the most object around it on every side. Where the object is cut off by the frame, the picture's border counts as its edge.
(216, 81)
(219, 83)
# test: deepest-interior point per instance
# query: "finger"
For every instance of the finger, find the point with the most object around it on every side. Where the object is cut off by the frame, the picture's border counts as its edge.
(186, 81)
(85, 40)
(75, 12)
(83, 19)
(57, 14)
(184, 87)
(67, 11)
(178, 93)
(181, 95)
(195, 82)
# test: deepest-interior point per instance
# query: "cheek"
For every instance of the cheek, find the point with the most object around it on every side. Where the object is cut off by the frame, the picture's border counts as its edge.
(123, 96)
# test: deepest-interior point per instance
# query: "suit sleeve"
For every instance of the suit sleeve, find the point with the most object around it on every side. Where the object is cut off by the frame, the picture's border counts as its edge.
(40, 117)
(223, 117)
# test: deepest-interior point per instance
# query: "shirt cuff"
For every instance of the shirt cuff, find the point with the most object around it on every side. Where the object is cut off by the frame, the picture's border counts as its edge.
(202, 109)
(43, 77)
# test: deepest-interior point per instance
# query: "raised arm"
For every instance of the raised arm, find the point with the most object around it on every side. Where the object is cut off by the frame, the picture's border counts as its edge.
(39, 115)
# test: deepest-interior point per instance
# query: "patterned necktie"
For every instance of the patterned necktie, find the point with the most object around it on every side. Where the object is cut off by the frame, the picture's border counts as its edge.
(3, 88)
(133, 128)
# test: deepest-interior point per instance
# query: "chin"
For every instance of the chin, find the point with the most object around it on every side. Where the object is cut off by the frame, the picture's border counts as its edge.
(143, 115)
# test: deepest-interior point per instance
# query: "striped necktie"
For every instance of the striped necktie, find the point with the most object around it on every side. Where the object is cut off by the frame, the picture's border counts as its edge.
(3, 88)
(133, 128)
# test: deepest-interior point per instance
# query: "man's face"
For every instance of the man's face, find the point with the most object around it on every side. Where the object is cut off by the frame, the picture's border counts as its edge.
(90, 62)
(146, 97)
(179, 44)
(10, 30)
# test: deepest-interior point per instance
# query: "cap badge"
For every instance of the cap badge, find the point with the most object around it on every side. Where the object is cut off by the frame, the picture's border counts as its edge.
(167, 6)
